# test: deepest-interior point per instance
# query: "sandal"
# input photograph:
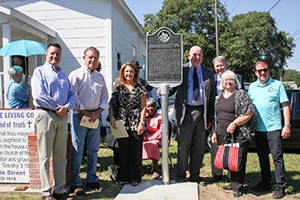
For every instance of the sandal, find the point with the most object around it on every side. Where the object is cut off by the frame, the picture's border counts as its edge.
(155, 175)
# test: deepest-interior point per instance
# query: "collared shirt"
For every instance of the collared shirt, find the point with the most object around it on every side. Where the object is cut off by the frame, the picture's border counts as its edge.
(190, 100)
(51, 88)
(267, 99)
(219, 81)
(17, 95)
(90, 89)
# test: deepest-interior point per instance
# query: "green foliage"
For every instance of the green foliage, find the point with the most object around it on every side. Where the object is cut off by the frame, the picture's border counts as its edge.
(195, 21)
(292, 75)
(254, 36)
(244, 40)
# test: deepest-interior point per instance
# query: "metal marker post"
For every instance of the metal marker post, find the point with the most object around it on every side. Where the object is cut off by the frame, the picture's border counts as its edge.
(165, 133)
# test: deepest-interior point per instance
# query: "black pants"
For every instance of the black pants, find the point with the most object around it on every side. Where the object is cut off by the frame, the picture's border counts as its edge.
(130, 151)
(237, 178)
(267, 142)
(191, 140)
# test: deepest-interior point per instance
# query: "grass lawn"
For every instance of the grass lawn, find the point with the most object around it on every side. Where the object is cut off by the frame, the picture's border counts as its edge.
(112, 189)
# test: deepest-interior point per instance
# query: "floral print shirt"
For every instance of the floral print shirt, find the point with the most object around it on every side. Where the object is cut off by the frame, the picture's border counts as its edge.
(130, 105)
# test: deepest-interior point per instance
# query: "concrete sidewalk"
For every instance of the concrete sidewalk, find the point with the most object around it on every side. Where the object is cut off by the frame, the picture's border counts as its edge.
(156, 190)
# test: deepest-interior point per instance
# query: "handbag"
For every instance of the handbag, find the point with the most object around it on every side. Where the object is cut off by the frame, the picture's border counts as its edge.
(114, 101)
(248, 129)
(228, 155)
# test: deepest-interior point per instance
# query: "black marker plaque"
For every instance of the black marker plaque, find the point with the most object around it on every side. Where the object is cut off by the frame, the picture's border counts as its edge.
(164, 58)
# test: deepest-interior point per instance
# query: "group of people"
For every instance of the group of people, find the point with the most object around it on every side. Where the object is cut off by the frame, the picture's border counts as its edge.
(217, 103)
(204, 102)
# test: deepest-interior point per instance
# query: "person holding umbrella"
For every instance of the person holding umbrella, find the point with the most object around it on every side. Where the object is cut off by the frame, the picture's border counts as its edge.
(16, 93)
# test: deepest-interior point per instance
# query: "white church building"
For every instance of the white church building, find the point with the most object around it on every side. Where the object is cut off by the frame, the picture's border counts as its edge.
(108, 25)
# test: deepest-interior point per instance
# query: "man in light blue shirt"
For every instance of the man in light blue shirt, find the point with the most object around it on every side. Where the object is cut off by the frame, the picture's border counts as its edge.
(268, 95)
(53, 97)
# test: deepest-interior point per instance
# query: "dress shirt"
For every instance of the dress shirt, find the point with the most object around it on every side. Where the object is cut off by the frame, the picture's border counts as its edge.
(190, 100)
(51, 88)
(90, 89)
(219, 81)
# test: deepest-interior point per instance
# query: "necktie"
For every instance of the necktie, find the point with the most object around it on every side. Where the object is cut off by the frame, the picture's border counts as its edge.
(195, 85)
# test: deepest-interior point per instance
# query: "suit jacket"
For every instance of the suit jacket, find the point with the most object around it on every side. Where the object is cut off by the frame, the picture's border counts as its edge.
(239, 77)
(182, 93)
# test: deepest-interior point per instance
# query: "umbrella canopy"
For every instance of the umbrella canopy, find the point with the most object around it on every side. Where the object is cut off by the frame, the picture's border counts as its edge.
(23, 48)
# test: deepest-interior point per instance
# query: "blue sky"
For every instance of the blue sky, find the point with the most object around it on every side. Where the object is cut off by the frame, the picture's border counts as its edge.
(286, 14)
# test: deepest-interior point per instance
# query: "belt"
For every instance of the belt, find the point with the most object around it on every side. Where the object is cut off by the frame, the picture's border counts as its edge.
(194, 106)
(93, 110)
(45, 109)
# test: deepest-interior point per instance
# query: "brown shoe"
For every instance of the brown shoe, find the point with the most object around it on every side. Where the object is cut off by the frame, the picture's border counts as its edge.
(48, 198)
(77, 190)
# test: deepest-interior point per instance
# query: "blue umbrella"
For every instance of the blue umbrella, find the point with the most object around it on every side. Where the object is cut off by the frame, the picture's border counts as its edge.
(23, 48)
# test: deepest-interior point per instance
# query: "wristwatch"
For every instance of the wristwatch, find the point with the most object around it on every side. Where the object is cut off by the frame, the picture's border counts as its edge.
(288, 125)
(144, 123)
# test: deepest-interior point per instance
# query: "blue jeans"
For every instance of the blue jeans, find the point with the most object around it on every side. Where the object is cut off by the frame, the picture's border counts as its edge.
(91, 139)
(270, 142)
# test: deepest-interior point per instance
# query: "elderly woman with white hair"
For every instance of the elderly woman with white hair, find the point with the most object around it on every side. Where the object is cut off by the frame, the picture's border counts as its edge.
(233, 108)
(152, 136)
(17, 94)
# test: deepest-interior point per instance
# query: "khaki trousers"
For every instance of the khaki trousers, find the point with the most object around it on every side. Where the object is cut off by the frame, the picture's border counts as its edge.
(52, 138)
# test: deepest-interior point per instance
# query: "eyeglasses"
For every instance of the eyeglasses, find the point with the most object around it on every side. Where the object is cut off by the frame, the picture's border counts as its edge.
(260, 70)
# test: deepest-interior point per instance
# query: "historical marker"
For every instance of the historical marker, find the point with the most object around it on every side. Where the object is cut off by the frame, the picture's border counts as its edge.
(164, 58)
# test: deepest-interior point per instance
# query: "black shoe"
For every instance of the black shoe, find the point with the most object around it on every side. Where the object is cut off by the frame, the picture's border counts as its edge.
(63, 196)
(216, 179)
(279, 193)
(94, 186)
(262, 187)
(180, 179)
(227, 187)
(237, 193)
(198, 180)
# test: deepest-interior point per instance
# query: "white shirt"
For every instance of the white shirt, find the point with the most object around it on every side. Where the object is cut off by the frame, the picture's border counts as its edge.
(90, 89)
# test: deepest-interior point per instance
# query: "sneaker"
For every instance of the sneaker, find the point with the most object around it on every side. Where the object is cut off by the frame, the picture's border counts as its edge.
(94, 186)
(261, 187)
(227, 187)
(279, 193)
(237, 193)
(113, 172)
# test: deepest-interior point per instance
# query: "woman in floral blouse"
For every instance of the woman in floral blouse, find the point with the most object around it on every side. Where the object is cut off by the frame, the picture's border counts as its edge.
(131, 101)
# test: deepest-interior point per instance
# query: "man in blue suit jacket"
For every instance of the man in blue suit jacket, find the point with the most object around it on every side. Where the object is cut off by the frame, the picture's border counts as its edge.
(193, 115)
(221, 66)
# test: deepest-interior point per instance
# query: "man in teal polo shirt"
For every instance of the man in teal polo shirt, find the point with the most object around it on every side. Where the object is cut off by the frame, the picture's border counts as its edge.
(268, 95)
